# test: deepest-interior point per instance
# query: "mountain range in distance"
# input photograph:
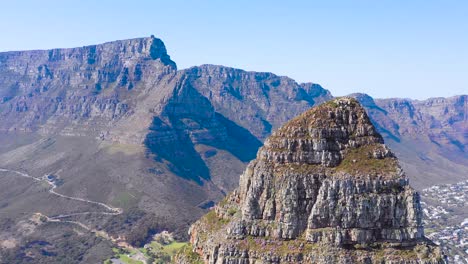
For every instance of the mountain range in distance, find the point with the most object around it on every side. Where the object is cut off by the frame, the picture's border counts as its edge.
(322, 189)
(118, 124)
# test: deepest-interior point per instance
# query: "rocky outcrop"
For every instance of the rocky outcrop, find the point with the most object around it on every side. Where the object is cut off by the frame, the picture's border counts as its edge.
(323, 189)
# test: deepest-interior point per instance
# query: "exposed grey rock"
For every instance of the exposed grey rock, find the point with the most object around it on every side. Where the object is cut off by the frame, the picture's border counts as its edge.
(226, 110)
(429, 136)
(323, 188)
(179, 139)
(81, 90)
(203, 123)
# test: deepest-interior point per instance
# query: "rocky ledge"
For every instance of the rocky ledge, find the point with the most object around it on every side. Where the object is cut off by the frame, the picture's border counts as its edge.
(323, 189)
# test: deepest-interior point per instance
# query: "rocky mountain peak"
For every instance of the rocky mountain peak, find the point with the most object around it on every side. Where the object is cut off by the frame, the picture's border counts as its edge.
(337, 134)
(323, 189)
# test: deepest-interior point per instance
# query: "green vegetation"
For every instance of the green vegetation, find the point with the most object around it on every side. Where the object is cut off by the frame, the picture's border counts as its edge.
(232, 211)
(138, 226)
(128, 260)
(124, 255)
(125, 200)
(389, 253)
(154, 252)
(301, 169)
(361, 160)
(386, 250)
(321, 116)
(187, 253)
(224, 201)
(279, 247)
(173, 248)
(213, 221)
(331, 103)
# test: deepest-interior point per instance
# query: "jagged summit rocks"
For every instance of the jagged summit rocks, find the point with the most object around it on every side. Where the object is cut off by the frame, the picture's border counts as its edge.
(326, 136)
(323, 189)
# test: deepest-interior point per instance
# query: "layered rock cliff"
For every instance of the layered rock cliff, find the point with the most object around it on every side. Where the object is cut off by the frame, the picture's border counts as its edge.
(323, 189)
(429, 136)
(121, 125)
(79, 91)
(216, 118)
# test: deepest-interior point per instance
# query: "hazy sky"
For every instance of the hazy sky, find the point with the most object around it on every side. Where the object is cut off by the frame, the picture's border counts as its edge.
(394, 48)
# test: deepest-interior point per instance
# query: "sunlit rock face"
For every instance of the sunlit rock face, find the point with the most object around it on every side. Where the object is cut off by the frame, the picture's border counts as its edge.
(323, 189)
(79, 91)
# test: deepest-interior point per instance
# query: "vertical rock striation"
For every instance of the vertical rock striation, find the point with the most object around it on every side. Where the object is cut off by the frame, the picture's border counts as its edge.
(429, 136)
(323, 189)
(80, 91)
(214, 119)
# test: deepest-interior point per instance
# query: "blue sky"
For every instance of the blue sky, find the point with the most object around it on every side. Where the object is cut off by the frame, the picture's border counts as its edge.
(387, 48)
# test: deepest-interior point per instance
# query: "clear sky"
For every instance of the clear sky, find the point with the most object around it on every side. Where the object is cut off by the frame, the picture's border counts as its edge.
(387, 48)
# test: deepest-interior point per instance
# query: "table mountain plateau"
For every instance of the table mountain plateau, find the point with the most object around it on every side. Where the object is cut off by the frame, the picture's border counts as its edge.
(429, 136)
(117, 123)
(323, 189)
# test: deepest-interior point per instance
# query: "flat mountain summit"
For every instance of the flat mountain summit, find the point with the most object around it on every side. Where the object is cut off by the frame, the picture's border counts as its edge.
(323, 189)
(118, 123)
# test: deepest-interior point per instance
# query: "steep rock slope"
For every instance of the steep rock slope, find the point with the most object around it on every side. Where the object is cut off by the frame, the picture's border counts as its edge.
(257, 101)
(116, 123)
(217, 118)
(82, 115)
(323, 189)
(79, 91)
(429, 136)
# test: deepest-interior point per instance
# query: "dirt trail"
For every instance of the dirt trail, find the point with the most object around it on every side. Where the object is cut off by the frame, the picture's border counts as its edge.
(59, 218)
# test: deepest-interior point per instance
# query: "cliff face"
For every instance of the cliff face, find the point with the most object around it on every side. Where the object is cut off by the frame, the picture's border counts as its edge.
(429, 136)
(117, 120)
(121, 125)
(79, 91)
(323, 189)
(257, 101)
(216, 118)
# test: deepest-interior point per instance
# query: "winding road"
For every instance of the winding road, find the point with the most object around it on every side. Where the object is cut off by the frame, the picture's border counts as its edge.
(59, 218)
